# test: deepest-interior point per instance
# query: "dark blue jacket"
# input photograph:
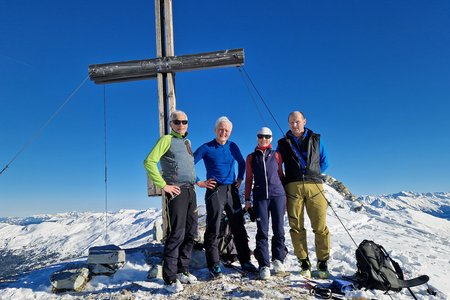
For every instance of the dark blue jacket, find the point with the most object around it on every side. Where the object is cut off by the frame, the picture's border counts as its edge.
(267, 182)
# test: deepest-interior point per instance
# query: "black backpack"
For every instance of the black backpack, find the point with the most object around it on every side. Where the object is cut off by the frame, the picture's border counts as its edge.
(227, 248)
(377, 270)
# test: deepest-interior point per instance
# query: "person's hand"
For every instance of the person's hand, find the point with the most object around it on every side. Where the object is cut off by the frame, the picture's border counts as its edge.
(172, 190)
(209, 184)
(238, 182)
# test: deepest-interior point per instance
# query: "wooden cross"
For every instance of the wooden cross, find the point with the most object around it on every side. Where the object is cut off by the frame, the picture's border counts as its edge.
(163, 68)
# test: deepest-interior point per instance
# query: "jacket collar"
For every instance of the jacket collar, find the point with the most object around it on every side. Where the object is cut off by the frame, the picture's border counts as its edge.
(216, 143)
(177, 135)
(258, 148)
(289, 134)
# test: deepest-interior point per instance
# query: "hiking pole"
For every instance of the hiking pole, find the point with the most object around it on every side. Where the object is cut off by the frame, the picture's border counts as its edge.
(335, 213)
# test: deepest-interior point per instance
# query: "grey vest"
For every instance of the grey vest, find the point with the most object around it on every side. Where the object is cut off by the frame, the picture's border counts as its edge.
(177, 164)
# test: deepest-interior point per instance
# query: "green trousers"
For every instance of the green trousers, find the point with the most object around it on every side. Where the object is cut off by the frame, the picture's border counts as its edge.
(308, 195)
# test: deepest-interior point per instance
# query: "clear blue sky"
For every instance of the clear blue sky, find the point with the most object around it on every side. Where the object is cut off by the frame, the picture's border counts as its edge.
(371, 76)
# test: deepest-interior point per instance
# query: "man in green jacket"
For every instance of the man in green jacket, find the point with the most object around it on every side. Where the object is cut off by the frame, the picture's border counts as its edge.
(177, 179)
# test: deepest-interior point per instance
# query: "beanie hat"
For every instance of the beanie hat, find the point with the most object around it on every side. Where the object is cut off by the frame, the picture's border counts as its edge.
(264, 130)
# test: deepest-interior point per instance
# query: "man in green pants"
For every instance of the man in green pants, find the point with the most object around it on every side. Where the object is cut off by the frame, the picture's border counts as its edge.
(304, 159)
(177, 179)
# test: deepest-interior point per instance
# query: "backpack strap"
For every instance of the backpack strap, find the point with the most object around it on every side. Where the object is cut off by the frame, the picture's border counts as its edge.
(395, 264)
(400, 282)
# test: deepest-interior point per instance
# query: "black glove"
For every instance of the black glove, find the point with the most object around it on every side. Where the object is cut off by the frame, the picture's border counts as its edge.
(252, 214)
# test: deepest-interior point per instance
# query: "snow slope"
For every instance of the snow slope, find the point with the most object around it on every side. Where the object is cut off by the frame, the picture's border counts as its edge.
(414, 228)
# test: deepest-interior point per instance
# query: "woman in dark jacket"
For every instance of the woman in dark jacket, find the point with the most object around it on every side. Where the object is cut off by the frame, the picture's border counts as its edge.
(264, 171)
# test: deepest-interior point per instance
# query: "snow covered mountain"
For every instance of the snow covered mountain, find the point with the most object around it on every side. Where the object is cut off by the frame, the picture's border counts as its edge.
(414, 228)
(33, 242)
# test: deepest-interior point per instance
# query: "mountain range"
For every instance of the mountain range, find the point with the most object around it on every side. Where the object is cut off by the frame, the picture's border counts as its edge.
(413, 227)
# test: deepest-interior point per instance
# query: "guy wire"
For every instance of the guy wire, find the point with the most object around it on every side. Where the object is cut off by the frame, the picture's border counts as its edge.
(251, 96)
(38, 132)
(261, 97)
(106, 164)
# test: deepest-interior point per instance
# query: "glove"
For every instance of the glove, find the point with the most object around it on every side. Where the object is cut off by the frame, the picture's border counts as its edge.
(252, 214)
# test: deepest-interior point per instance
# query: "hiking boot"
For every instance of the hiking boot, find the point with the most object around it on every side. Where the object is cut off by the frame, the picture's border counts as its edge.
(173, 286)
(186, 277)
(322, 269)
(264, 273)
(215, 271)
(249, 267)
(305, 264)
(278, 266)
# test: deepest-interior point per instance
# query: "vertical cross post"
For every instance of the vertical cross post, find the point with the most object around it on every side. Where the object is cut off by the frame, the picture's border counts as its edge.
(163, 68)
(166, 84)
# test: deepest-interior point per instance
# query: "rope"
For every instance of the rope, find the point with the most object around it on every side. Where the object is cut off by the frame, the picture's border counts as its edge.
(106, 165)
(243, 71)
(260, 97)
(251, 96)
(38, 132)
(337, 216)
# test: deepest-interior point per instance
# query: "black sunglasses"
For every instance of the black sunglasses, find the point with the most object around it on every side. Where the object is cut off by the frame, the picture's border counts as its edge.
(178, 122)
(266, 136)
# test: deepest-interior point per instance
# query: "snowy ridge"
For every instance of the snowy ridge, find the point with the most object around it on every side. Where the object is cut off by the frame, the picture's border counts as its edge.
(27, 243)
(413, 227)
(437, 204)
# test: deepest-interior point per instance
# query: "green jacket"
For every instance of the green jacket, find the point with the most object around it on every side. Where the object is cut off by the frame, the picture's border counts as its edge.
(174, 154)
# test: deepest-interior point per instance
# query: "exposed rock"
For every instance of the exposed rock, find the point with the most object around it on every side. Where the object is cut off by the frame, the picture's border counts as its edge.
(339, 187)
(153, 253)
(105, 260)
(158, 232)
(72, 278)
(155, 271)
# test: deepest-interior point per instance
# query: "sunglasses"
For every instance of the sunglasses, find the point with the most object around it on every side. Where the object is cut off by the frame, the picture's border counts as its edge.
(266, 136)
(178, 122)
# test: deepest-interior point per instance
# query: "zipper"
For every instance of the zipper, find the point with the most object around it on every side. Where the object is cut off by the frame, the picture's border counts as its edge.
(265, 174)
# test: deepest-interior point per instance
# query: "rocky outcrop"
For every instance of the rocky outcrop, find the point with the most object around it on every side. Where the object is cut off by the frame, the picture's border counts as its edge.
(339, 187)
(105, 260)
(74, 277)
(102, 260)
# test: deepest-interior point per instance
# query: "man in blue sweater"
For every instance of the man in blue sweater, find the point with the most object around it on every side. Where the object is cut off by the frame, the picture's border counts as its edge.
(219, 156)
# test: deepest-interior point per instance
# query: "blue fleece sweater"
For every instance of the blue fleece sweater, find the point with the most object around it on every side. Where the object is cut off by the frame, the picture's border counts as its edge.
(219, 161)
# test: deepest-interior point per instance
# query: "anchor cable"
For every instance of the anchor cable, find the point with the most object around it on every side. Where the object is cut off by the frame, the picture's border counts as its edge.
(38, 132)
(106, 164)
(260, 96)
(252, 96)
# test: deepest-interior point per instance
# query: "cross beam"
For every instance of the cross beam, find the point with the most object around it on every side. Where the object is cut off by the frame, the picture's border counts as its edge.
(163, 68)
(149, 68)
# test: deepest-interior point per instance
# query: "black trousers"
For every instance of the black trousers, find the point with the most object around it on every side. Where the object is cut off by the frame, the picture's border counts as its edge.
(224, 197)
(182, 219)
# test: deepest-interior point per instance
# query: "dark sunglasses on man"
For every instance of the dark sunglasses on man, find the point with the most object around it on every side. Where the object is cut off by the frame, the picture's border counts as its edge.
(266, 136)
(178, 122)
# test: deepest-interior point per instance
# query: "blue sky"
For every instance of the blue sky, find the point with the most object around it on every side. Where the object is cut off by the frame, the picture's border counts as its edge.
(371, 76)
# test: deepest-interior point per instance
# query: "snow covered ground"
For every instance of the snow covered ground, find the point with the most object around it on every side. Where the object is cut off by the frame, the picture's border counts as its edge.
(414, 229)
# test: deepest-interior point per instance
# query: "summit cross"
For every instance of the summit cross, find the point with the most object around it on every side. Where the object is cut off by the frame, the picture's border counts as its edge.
(163, 68)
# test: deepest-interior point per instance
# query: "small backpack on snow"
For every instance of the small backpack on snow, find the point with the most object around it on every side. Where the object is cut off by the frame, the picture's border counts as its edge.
(377, 270)
(227, 248)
